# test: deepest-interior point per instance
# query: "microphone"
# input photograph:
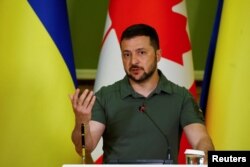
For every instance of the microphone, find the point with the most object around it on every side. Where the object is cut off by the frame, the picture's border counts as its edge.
(142, 109)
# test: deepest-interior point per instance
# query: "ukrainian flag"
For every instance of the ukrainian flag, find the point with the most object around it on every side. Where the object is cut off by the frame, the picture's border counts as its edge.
(36, 76)
(228, 106)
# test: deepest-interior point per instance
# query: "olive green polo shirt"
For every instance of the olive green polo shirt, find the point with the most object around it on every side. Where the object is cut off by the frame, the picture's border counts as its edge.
(131, 134)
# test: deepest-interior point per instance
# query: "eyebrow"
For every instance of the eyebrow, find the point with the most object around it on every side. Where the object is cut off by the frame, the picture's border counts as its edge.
(141, 49)
(138, 49)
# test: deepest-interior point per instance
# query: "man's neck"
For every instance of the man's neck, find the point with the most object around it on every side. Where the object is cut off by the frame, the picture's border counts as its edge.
(146, 88)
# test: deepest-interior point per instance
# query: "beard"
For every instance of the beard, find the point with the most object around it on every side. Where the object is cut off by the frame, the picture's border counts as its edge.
(146, 75)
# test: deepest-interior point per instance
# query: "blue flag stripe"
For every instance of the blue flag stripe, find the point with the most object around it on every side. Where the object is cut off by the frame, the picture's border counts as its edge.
(210, 59)
(53, 15)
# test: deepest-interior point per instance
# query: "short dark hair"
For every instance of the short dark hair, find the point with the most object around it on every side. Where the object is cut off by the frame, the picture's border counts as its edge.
(142, 30)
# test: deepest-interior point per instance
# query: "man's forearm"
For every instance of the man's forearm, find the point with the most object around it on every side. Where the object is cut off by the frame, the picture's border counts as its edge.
(88, 138)
(77, 138)
(205, 144)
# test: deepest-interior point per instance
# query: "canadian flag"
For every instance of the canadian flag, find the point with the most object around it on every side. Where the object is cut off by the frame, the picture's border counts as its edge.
(169, 18)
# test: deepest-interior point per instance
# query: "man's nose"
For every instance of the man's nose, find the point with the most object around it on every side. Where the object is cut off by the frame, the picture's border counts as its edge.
(134, 59)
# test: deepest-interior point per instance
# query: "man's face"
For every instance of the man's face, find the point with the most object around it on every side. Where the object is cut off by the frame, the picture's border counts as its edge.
(139, 58)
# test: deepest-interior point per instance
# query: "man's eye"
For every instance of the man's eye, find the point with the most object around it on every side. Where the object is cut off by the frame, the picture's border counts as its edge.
(126, 54)
(142, 52)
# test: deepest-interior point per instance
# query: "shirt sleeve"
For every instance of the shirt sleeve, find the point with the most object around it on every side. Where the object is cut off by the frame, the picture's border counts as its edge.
(98, 111)
(190, 112)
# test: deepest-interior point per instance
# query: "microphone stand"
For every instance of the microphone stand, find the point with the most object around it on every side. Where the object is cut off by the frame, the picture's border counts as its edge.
(168, 160)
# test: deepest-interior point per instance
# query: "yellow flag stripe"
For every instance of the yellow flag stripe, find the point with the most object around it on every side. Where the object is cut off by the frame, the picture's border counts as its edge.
(36, 116)
(228, 108)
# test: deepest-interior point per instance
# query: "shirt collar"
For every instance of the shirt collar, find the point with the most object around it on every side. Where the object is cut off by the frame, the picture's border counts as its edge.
(162, 86)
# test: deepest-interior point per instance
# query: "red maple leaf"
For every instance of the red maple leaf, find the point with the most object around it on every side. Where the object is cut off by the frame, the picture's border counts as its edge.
(171, 26)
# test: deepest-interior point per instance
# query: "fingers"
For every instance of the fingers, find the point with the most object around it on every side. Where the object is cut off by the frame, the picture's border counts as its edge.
(83, 102)
(75, 98)
(92, 102)
(83, 97)
(87, 99)
(71, 97)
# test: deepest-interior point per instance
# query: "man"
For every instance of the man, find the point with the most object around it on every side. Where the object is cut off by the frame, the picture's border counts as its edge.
(142, 116)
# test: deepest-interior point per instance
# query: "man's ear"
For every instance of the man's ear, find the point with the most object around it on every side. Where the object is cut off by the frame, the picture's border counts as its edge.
(158, 55)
